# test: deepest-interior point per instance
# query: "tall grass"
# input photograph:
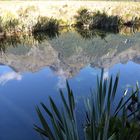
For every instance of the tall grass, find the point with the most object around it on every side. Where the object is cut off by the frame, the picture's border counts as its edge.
(10, 25)
(101, 123)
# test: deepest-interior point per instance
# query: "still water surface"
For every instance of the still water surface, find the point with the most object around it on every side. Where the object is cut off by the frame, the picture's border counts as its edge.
(33, 68)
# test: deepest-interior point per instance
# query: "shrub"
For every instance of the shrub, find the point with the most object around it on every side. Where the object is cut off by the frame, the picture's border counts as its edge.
(100, 122)
(86, 18)
(45, 24)
(102, 20)
(83, 17)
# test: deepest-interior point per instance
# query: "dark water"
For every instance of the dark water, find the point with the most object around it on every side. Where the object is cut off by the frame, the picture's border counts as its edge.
(33, 68)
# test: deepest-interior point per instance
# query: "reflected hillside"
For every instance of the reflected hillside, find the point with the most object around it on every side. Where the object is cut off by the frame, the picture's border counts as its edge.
(69, 52)
(114, 48)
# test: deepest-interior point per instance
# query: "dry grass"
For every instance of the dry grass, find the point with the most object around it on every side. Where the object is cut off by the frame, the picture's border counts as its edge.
(66, 10)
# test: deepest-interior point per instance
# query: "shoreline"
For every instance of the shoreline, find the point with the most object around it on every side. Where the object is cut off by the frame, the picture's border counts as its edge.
(18, 14)
(66, 10)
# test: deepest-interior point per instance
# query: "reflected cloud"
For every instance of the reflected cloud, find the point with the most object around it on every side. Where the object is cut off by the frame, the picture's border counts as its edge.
(61, 79)
(4, 78)
(106, 74)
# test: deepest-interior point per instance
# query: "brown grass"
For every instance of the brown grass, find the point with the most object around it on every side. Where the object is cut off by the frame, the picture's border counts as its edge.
(66, 10)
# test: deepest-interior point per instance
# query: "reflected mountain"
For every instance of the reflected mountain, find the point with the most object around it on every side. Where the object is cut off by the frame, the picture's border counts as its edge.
(69, 52)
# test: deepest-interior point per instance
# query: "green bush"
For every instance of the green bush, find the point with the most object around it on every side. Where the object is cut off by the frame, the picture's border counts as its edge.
(102, 20)
(83, 17)
(45, 24)
(101, 123)
(86, 18)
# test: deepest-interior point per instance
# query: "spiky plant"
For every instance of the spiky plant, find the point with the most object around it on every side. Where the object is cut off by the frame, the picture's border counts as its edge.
(63, 121)
(101, 123)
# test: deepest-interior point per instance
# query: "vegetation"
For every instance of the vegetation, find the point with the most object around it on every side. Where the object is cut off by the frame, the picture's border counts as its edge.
(13, 25)
(102, 20)
(86, 18)
(28, 20)
(89, 20)
(135, 22)
(83, 17)
(102, 120)
(79, 37)
(25, 21)
(45, 24)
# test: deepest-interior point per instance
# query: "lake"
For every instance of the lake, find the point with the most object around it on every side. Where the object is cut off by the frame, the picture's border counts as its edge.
(32, 68)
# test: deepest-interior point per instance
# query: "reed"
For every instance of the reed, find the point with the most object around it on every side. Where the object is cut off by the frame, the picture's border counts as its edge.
(100, 122)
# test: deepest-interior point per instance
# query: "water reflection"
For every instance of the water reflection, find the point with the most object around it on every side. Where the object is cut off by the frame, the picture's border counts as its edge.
(45, 35)
(35, 67)
(69, 52)
(61, 79)
(31, 39)
(8, 74)
(89, 34)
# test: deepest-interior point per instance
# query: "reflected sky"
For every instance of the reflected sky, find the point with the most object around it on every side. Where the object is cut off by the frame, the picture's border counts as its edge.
(7, 74)
(20, 93)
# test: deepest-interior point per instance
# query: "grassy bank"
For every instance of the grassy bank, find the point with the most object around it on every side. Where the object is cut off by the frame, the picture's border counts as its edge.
(36, 16)
(66, 10)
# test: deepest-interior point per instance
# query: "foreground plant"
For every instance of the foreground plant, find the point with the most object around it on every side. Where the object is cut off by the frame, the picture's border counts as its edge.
(103, 120)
